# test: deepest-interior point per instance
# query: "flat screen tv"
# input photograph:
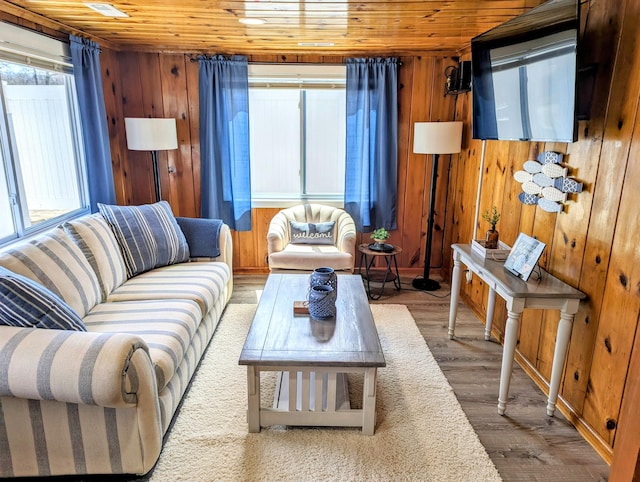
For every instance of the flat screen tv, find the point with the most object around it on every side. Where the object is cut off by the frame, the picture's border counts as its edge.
(525, 76)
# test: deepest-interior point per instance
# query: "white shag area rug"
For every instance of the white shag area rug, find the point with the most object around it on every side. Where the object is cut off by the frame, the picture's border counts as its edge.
(421, 431)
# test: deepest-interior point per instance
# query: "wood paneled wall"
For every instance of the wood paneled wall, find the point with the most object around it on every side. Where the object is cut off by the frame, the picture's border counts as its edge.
(592, 245)
(166, 85)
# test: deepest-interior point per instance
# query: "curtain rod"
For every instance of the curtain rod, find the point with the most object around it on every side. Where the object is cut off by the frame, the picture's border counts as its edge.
(287, 63)
(291, 63)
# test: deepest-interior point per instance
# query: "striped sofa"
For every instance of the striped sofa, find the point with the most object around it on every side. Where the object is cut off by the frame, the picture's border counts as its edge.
(100, 401)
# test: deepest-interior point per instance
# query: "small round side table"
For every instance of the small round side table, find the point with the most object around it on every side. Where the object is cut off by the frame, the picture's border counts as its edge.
(379, 275)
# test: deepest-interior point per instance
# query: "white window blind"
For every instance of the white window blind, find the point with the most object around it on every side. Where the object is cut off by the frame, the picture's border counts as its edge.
(297, 129)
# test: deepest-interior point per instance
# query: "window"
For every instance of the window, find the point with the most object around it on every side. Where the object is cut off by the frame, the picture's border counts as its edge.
(297, 132)
(42, 179)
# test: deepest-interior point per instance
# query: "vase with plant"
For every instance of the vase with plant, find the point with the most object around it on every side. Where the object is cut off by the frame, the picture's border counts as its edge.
(491, 238)
(379, 236)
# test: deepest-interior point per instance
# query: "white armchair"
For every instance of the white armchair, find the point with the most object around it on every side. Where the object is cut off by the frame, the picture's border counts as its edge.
(336, 246)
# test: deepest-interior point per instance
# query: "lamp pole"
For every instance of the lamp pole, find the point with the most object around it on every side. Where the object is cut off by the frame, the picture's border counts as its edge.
(424, 283)
(156, 175)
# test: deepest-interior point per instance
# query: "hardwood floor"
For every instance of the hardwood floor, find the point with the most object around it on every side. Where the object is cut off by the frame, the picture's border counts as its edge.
(525, 444)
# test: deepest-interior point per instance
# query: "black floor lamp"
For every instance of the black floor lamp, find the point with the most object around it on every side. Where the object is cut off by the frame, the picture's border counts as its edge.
(151, 134)
(434, 138)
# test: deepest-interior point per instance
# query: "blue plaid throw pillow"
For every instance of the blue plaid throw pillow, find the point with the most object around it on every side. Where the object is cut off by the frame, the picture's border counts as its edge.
(23, 302)
(148, 235)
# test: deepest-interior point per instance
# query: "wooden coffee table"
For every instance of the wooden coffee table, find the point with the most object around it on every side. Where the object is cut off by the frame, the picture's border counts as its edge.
(312, 356)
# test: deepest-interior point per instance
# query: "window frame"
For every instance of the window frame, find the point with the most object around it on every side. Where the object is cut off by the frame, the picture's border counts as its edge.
(35, 50)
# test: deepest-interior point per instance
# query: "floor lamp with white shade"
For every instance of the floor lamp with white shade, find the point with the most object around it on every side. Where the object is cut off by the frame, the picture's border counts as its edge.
(434, 138)
(152, 134)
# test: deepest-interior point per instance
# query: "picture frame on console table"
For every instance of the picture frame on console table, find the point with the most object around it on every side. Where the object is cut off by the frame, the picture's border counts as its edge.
(524, 256)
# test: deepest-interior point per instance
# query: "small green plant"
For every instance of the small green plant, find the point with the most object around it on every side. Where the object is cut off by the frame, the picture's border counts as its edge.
(492, 217)
(380, 234)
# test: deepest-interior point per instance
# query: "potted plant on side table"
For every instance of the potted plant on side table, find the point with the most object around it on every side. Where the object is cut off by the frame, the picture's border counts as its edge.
(492, 236)
(380, 235)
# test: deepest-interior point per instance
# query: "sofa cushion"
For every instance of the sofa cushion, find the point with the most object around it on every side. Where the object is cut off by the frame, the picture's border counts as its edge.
(97, 242)
(199, 282)
(203, 236)
(55, 261)
(313, 233)
(309, 257)
(23, 302)
(166, 326)
(148, 235)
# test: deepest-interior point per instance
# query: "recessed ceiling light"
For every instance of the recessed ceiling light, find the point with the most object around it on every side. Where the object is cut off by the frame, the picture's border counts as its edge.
(252, 21)
(316, 44)
(106, 9)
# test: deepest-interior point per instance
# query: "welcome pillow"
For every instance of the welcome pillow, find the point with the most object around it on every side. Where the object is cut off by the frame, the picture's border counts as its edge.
(148, 235)
(312, 233)
(25, 303)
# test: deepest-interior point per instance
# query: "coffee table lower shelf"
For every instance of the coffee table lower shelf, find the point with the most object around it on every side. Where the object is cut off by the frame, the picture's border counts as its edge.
(299, 390)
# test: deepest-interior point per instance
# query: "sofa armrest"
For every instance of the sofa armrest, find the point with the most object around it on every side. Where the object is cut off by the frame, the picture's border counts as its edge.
(226, 255)
(278, 234)
(87, 368)
(226, 247)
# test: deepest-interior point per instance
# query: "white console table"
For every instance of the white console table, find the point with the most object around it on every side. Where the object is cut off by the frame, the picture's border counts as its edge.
(546, 293)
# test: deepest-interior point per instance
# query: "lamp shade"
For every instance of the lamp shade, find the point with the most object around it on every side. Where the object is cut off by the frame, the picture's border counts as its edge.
(151, 134)
(437, 137)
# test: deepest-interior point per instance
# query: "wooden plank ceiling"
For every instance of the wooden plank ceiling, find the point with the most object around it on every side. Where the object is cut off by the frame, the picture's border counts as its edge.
(378, 27)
